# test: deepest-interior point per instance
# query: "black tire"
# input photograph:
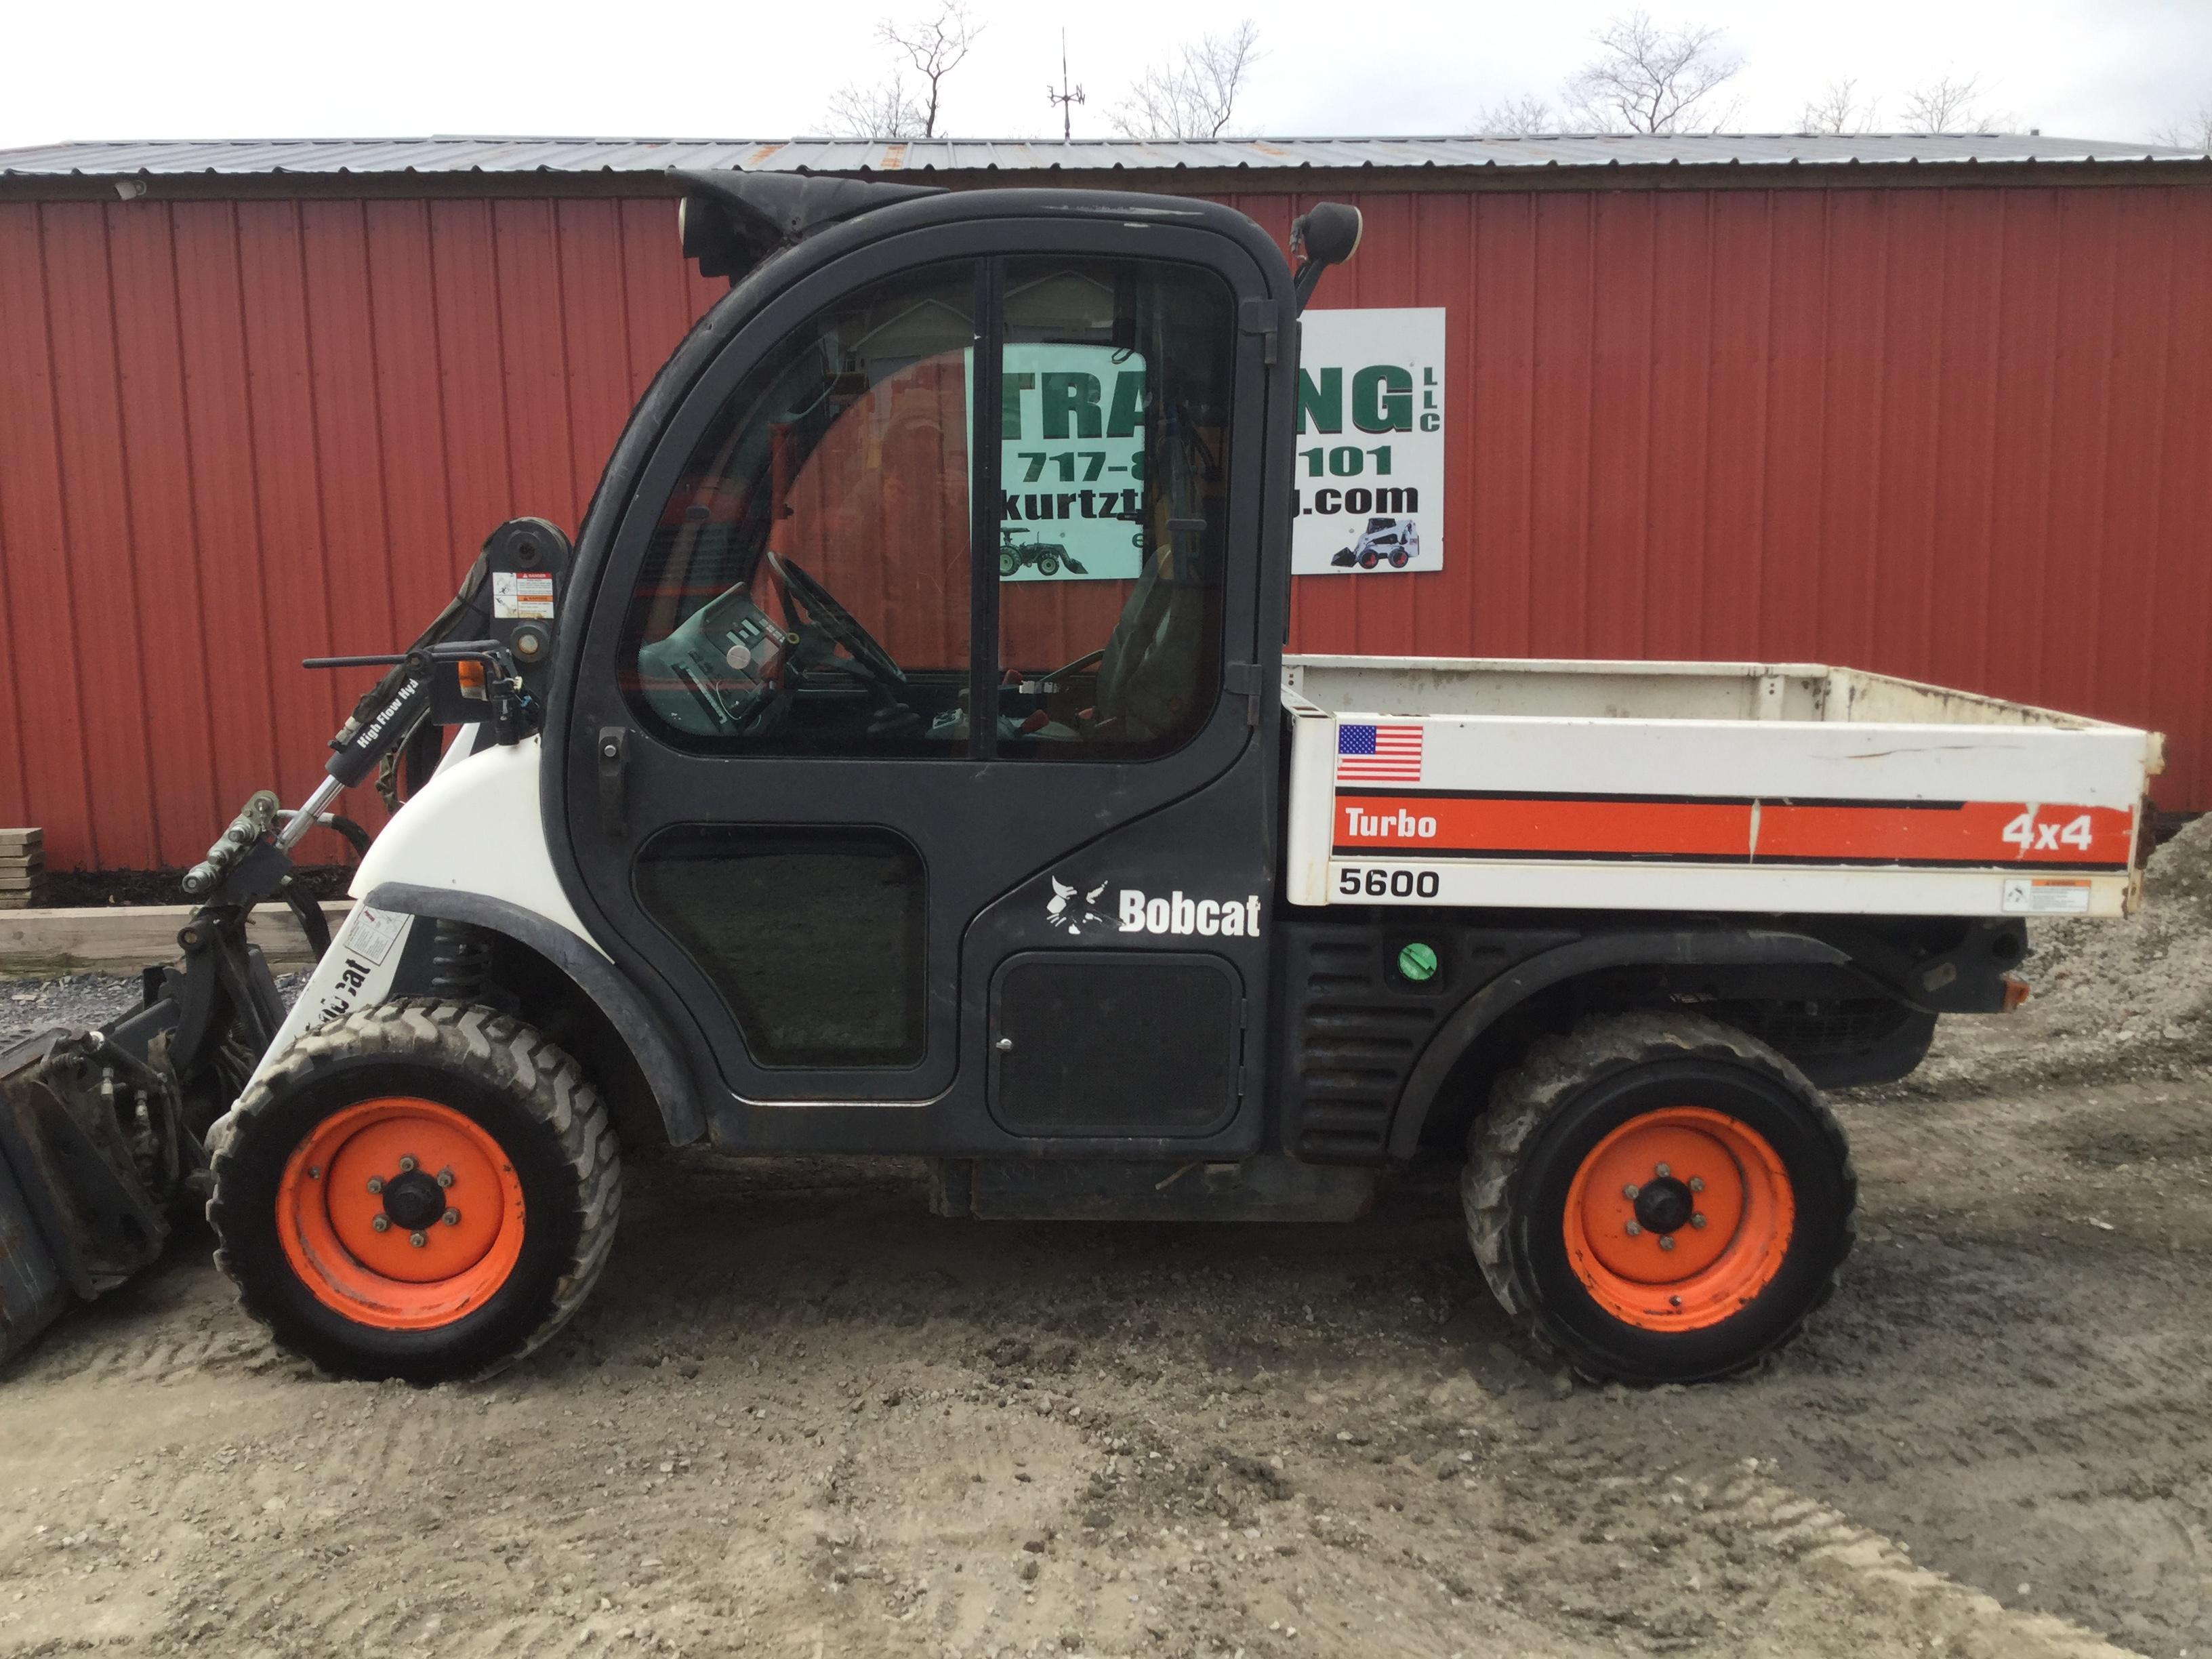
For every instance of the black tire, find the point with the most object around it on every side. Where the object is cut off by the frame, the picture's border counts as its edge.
(1048, 564)
(1551, 1113)
(1009, 562)
(527, 1095)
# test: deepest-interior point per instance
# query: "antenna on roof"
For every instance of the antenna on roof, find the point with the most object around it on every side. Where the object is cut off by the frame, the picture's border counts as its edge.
(1063, 97)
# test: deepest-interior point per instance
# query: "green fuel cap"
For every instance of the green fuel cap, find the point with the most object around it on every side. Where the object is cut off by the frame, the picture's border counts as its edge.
(1417, 962)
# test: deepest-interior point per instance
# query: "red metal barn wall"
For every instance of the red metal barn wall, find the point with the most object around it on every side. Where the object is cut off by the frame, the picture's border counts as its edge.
(1957, 434)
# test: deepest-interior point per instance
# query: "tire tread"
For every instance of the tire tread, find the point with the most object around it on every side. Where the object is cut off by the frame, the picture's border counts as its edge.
(1555, 1071)
(497, 1046)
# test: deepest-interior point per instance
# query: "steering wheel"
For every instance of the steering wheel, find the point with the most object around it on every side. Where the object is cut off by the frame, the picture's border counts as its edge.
(803, 600)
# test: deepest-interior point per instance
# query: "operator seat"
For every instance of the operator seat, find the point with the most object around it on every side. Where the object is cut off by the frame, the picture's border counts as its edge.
(1148, 670)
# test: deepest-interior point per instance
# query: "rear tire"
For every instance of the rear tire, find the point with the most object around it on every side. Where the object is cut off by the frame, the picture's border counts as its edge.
(474, 1141)
(1653, 1105)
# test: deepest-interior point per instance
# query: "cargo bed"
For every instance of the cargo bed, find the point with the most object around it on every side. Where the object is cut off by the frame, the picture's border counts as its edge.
(1700, 787)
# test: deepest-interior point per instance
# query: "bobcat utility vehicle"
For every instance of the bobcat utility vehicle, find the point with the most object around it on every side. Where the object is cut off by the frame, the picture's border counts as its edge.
(774, 819)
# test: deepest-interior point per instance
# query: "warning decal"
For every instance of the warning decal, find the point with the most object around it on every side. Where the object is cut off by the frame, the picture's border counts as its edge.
(520, 595)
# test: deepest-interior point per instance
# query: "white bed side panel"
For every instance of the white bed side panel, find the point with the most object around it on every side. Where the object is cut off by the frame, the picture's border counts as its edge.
(1782, 760)
(1579, 885)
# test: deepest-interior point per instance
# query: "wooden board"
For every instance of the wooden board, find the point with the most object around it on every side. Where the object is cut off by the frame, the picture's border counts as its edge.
(125, 938)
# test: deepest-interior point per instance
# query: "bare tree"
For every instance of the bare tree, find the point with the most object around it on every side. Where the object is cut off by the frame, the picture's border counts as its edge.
(1838, 111)
(1193, 95)
(935, 46)
(2191, 132)
(1650, 79)
(1947, 104)
(1525, 117)
(883, 111)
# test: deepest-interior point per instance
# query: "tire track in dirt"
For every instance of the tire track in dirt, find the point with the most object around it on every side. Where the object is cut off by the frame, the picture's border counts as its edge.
(1947, 1616)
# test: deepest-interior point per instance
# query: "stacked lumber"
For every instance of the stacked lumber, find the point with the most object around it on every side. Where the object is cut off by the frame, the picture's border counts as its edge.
(22, 869)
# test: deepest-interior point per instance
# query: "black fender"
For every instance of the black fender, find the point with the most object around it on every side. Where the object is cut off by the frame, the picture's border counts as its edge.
(674, 1090)
(1654, 949)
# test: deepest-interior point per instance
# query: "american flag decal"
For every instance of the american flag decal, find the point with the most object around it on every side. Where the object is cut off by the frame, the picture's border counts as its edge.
(1378, 754)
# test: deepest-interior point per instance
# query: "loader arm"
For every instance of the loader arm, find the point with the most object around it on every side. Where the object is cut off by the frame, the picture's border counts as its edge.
(103, 1132)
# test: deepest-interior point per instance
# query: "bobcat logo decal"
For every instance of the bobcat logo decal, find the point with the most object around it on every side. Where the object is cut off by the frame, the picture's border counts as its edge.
(1060, 911)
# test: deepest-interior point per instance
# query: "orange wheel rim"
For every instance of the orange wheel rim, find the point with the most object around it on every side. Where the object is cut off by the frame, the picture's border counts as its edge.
(400, 1213)
(1678, 1218)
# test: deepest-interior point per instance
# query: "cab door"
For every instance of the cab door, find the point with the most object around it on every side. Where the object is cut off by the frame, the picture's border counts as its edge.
(924, 652)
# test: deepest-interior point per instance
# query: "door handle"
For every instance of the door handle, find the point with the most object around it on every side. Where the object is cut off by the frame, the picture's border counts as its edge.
(613, 748)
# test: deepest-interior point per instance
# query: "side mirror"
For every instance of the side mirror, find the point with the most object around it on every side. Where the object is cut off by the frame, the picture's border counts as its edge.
(1326, 235)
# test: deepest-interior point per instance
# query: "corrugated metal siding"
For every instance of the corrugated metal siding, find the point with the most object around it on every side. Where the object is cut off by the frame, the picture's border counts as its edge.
(172, 158)
(1959, 434)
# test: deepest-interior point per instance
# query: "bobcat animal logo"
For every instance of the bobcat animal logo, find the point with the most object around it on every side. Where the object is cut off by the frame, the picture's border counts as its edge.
(1060, 910)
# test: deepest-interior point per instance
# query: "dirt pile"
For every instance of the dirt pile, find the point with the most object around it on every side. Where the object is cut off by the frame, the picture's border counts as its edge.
(2130, 997)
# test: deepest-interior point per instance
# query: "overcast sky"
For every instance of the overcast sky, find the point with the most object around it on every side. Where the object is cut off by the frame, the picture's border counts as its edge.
(130, 68)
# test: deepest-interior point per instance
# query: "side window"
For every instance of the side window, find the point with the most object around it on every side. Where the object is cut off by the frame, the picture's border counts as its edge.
(808, 587)
(1114, 487)
(807, 590)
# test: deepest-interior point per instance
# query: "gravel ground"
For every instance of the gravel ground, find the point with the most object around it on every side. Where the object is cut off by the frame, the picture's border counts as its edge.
(78, 1000)
(802, 1417)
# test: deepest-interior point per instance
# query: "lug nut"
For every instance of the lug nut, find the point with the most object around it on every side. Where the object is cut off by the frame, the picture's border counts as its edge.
(445, 1177)
(314, 1172)
(452, 1218)
(1674, 1301)
(407, 1164)
(381, 1223)
(376, 1183)
(1664, 1171)
(1697, 1221)
(1635, 1230)
(1666, 1240)
(418, 1240)
(1630, 1190)
(1697, 1183)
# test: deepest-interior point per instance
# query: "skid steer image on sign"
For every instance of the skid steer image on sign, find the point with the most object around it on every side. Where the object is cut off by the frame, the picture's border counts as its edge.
(1394, 542)
(774, 817)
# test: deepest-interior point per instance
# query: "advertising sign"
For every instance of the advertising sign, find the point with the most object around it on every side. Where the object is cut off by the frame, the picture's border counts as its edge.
(1071, 471)
(1370, 469)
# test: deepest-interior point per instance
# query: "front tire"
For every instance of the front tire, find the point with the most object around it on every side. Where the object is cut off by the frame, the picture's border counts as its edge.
(421, 1190)
(1659, 1197)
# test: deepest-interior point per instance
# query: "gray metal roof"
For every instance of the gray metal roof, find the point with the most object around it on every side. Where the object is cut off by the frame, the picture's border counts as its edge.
(172, 157)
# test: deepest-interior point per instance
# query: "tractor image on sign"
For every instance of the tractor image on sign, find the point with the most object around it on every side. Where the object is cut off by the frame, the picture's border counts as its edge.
(781, 819)
(1395, 542)
(1046, 558)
